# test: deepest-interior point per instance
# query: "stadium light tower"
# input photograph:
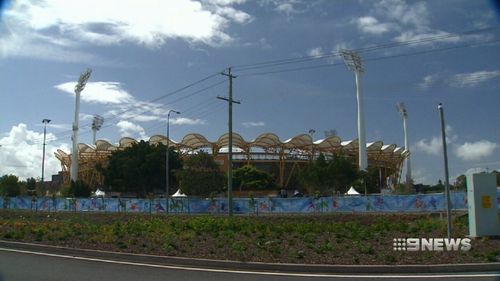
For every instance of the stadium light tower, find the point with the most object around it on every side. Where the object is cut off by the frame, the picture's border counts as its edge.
(167, 183)
(96, 126)
(45, 122)
(353, 62)
(82, 81)
(404, 114)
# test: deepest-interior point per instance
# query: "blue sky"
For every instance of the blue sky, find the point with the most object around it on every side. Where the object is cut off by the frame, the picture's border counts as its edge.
(417, 52)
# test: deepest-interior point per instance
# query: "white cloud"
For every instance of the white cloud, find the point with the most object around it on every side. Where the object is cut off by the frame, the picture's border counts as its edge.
(476, 150)
(287, 7)
(372, 25)
(187, 121)
(432, 146)
(253, 124)
(412, 14)
(473, 79)
(315, 52)
(54, 30)
(429, 81)
(418, 35)
(21, 153)
(99, 92)
(129, 129)
(462, 80)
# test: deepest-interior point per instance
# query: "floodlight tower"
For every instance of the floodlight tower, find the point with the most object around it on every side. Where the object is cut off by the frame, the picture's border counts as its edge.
(96, 126)
(82, 81)
(353, 62)
(402, 110)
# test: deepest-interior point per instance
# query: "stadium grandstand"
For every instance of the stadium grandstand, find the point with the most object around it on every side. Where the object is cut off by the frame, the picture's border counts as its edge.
(282, 159)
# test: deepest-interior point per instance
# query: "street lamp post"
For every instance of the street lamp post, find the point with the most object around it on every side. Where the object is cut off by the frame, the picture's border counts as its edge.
(446, 174)
(167, 187)
(402, 110)
(82, 81)
(354, 63)
(45, 122)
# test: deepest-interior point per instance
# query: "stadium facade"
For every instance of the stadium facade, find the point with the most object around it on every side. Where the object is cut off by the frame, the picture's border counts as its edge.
(282, 159)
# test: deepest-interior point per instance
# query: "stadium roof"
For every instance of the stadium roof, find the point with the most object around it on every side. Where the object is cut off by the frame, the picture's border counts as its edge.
(265, 141)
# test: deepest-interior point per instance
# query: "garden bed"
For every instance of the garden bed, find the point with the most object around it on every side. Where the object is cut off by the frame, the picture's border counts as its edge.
(315, 239)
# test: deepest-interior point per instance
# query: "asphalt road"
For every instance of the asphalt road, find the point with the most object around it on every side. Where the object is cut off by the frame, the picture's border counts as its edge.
(18, 266)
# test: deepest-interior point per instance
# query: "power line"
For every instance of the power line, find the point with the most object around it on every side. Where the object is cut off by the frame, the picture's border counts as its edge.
(370, 59)
(272, 63)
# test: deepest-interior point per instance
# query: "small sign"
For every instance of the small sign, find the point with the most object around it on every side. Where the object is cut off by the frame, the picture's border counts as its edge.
(486, 202)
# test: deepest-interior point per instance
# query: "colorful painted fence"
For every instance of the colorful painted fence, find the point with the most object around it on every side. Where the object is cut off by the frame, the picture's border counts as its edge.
(370, 203)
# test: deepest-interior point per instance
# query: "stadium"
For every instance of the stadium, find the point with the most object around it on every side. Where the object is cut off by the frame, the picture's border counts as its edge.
(282, 159)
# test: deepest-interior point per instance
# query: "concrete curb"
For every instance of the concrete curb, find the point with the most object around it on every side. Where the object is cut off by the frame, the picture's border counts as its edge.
(253, 266)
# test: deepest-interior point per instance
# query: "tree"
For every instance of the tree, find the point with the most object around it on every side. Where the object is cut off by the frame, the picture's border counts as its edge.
(201, 175)
(9, 186)
(335, 175)
(31, 186)
(79, 189)
(249, 177)
(461, 182)
(344, 173)
(139, 169)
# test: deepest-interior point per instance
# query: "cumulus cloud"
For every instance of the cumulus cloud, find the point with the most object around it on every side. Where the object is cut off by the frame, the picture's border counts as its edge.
(187, 121)
(432, 146)
(99, 92)
(129, 129)
(21, 153)
(253, 124)
(471, 151)
(372, 25)
(55, 29)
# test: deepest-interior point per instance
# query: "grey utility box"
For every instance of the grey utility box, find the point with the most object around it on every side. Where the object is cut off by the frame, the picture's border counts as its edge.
(484, 219)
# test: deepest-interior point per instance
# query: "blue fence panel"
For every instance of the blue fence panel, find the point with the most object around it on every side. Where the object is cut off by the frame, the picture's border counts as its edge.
(372, 203)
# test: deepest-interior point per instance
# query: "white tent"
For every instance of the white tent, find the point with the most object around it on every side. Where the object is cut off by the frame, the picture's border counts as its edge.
(352, 191)
(99, 193)
(179, 194)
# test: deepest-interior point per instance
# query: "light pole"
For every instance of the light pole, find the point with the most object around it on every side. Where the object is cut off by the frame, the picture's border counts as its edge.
(82, 81)
(354, 63)
(446, 175)
(167, 187)
(45, 122)
(402, 110)
(96, 126)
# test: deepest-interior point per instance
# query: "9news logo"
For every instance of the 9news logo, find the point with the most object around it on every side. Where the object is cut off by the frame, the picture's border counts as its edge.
(431, 244)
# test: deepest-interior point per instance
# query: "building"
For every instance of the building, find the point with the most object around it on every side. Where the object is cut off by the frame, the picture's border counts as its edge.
(283, 159)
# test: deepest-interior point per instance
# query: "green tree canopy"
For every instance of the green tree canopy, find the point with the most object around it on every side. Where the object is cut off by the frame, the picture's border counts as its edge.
(324, 176)
(140, 169)
(31, 186)
(201, 175)
(10, 186)
(249, 177)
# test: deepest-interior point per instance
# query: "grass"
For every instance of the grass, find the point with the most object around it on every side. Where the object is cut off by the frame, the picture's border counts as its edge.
(331, 239)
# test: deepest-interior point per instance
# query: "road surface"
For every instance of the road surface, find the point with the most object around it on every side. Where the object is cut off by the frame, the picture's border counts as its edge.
(18, 265)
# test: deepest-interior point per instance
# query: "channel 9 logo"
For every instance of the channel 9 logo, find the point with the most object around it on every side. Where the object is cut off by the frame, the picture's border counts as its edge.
(431, 244)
